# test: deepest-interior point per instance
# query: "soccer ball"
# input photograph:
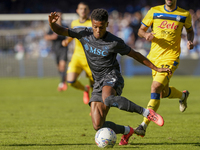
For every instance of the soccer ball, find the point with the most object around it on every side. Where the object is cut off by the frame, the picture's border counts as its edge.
(105, 137)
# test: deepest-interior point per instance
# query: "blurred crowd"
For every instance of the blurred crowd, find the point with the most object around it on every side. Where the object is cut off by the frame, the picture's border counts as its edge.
(69, 6)
(124, 21)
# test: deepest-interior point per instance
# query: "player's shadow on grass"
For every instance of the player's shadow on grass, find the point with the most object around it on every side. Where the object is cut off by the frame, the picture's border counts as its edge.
(63, 144)
(135, 145)
(194, 144)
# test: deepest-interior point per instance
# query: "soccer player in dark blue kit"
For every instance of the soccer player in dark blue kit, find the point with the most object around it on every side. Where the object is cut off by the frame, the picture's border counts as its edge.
(101, 48)
(60, 54)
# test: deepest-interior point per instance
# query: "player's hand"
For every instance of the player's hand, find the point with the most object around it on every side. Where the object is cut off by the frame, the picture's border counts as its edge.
(168, 70)
(190, 45)
(53, 17)
(149, 36)
(64, 43)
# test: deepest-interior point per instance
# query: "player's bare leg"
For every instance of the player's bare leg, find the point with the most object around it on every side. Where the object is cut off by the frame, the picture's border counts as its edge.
(98, 114)
(88, 88)
(165, 92)
(153, 104)
(72, 81)
(109, 98)
(106, 92)
(62, 70)
(91, 86)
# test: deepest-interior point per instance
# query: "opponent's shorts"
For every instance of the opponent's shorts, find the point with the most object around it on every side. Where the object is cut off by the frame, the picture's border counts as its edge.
(164, 78)
(78, 64)
(113, 79)
(61, 54)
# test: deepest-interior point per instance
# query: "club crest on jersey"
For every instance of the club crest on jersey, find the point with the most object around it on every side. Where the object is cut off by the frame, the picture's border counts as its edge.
(86, 47)
(178, 18)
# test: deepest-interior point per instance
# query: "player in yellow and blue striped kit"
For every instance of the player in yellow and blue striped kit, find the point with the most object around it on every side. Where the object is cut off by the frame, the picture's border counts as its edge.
(78, 61)
(167, 22)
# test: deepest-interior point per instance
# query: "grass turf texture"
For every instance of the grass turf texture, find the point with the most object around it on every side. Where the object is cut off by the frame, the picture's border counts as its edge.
(34, 115)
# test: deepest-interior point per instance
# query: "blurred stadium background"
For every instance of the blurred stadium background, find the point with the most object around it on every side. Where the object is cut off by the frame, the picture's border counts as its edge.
(24, 52)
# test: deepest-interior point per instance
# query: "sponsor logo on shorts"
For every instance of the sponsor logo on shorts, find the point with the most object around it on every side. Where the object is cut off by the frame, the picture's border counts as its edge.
(111, 82)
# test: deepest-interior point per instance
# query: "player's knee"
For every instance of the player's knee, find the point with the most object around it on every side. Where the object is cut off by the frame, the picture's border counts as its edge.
(98, 114)
(117, 101)
(96, 126)
(166, 93)
(62, 67)
(163, 95)
(154, 87)
(71, 83)
(109, 100)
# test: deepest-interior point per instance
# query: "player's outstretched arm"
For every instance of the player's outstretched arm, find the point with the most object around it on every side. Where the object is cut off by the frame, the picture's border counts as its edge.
(53, 17)
(143, 60)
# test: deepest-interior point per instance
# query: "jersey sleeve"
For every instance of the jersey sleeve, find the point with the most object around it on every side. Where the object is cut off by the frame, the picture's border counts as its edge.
(188, 22)
(148, 19)
(75, 33)
(121, 48)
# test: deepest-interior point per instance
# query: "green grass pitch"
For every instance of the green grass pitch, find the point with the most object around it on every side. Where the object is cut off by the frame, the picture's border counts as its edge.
(34, 115)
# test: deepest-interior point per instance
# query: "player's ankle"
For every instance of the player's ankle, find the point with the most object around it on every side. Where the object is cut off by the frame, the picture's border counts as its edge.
(145, 112)
(85, 89)
(183, 96)
(144, 125)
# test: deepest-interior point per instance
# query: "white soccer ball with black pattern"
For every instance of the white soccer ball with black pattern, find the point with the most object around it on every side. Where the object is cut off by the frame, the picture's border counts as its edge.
(105, 138)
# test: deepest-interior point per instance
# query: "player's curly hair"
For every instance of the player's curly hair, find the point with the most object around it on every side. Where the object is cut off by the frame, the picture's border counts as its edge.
(99, 15)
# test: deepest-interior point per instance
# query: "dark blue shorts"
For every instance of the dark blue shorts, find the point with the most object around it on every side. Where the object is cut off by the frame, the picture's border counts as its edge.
(113, 79)
(61, 54)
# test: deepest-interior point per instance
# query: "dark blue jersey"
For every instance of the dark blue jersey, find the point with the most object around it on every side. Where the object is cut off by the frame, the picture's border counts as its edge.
(100, 53)
(57, 43)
